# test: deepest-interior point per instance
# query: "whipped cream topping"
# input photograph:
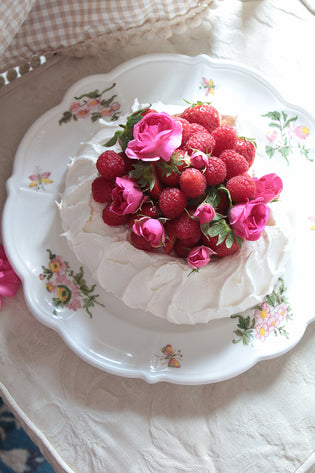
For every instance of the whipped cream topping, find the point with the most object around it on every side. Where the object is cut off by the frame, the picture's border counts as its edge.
(160, 283)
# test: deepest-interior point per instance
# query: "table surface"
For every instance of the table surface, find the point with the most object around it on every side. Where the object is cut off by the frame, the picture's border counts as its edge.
(86, 420)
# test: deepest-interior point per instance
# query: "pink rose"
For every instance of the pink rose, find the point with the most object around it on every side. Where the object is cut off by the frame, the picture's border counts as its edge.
(205, 213)
(9, 281)
(156, 136)
(199, 256)
(249, 220)
(126, 196)
(199, 160)
(268, 187)
(151, 230)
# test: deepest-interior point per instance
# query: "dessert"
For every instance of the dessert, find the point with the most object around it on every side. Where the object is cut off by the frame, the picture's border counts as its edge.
(169, 218)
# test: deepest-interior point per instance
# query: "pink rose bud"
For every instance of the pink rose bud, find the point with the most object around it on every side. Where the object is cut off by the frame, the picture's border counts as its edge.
(156, 136)
(151, 230)
(9, 281)
(205, 213)
(199, 257)
(249, 220)
(127, 196)
(269, 187)
(199, 160)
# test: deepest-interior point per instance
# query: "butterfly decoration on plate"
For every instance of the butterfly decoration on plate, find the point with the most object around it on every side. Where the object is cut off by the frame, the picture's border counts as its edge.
(171, 356)
(39, 179)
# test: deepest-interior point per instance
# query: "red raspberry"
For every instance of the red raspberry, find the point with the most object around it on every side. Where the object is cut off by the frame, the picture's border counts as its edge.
(170, 238)
(183, 247)
(235, 163)
(149, 209)
(185, 129)
(192, 182)
(247, 149)
(200, 141)
(172, 202)
(241, 188)
(215, 172)
(204, 114)
(112, 219)
(102, 190)
(110, 165)
(225, 138)
(221, 250)
(187, 228)
(139, 242)
(196, 128)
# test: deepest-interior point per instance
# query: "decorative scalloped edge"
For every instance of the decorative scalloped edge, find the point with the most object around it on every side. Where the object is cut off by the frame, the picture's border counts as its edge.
(164, 29)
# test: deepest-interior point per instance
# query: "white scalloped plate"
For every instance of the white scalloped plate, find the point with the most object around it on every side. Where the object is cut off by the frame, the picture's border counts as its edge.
(133, 343)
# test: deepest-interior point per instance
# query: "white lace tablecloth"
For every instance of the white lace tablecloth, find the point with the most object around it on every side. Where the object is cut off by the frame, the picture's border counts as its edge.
(87, 421)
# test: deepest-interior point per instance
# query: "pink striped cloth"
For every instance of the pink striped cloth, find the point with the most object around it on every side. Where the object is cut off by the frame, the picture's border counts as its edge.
(38, 27)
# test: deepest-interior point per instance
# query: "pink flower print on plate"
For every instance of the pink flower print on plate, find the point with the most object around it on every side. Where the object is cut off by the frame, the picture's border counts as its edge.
(93, 105)
(68, 289)
(270, 317)
(286, 136)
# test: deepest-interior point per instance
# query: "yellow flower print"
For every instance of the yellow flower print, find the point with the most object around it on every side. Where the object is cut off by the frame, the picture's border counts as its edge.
(54, 266)
(63, 293)
(49, 287)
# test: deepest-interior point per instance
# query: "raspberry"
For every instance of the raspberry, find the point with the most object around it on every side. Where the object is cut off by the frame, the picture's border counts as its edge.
(112, 219)
(185, 129)
(247, 149)
(200, 141)
(139, 242)
(203, 114)
(241, 188)
(221, 250)
(102, 190)
(225, 138)
(172, 202)
(215, 172)
(149, 209)
(235, 163)
(170, 236)
(183, 247)
(196, 128)
(187, 229)
(192, 182)
(110, 165)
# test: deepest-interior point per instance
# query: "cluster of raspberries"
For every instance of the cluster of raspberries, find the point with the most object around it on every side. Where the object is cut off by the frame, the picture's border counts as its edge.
(211, 165)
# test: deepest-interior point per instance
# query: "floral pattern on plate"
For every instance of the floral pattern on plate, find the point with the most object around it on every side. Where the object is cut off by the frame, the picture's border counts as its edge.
(269, 317)
(285, 135)
(69, 288)
(93, 105)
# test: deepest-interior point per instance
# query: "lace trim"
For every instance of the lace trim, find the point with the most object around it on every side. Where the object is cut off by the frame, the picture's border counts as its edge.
(147, 32)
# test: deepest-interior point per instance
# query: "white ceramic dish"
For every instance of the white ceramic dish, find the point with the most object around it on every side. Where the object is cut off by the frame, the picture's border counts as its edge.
(133, 343)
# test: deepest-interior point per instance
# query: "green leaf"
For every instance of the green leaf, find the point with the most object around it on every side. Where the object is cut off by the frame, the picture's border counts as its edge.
(273, 115)
(287, 123)
(229, 240)
(275, 125)
(270, 151)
